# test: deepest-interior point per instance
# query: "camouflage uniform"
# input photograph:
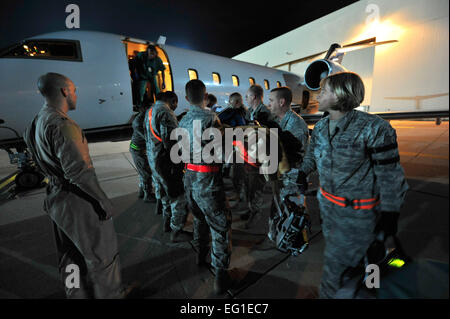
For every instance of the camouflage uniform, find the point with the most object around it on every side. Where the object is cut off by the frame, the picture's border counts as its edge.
(165, 179)
(205, 195)
(75, 203)
(359, 161)
(295, 130)
(254, 181)
(139, 154)
(262, 114)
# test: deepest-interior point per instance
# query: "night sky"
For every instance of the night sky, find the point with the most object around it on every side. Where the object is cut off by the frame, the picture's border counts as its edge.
(224, 28)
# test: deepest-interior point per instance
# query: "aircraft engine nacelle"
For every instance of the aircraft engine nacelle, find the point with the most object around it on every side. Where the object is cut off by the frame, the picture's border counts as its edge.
(319, 70)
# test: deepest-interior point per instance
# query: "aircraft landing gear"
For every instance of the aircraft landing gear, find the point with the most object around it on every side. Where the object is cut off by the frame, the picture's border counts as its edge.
(27, 177)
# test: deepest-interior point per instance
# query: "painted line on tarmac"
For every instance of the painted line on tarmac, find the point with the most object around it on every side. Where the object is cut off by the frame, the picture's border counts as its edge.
(50, 271)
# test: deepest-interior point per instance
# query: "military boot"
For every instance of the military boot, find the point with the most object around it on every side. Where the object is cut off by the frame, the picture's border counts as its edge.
(222, 282)
(149, 197)
(200, 258)
(141, 192)
(130, 291)
(166, 224)
(158, 207)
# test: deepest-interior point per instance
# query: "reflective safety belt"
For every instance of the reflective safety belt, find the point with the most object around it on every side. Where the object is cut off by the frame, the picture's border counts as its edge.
(203, 168)
(151, 128)
(368, 203)
(244, 154)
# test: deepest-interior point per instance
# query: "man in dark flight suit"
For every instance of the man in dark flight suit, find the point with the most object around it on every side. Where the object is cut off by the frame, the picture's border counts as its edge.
(148, 64)
(80, 210)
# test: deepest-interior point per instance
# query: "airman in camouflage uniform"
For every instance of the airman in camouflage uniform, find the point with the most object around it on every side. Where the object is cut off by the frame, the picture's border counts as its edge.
(139, 154)
(294, 136)
(205, 190)
(362, 184)
(167, 177)
(254, 181)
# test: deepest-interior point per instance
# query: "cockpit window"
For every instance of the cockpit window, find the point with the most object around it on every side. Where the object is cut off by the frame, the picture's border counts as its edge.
(45, 49)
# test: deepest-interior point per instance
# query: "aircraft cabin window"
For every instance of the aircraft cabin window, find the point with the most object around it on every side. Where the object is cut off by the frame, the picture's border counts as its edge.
(193, 75)
(216, 78)
(278, 84)
(45, 49)
(235, 79)
(266, 84)
(251, 81)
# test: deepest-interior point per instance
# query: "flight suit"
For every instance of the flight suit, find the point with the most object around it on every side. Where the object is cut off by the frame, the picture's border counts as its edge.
(167, 177)
(139, 154)
(360, 175)
(254, 181)
(147, 71)
(76, 203)
(205, 194)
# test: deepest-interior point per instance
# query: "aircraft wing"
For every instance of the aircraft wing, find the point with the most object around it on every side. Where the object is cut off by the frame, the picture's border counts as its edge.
(314, 118)
(339, 51)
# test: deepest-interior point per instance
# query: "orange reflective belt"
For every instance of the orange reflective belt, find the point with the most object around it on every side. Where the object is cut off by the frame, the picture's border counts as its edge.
(368, 203)
(244, 153)
(202, 168)
(151, 128)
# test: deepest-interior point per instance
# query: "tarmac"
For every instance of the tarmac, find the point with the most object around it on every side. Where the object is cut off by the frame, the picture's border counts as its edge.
(166, 270)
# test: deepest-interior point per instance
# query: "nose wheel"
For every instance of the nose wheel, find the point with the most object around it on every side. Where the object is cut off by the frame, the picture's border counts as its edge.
(25, 178)
(20, 181)
(29, 179)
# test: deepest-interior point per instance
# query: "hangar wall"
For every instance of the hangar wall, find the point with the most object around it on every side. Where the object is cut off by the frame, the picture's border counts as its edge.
(410, 75)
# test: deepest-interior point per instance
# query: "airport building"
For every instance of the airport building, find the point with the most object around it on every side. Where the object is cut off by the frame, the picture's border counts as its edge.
(411, 74)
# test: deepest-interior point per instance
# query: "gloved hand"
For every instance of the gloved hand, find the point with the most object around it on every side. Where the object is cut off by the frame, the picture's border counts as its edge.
(302, 182)
(387, 223)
